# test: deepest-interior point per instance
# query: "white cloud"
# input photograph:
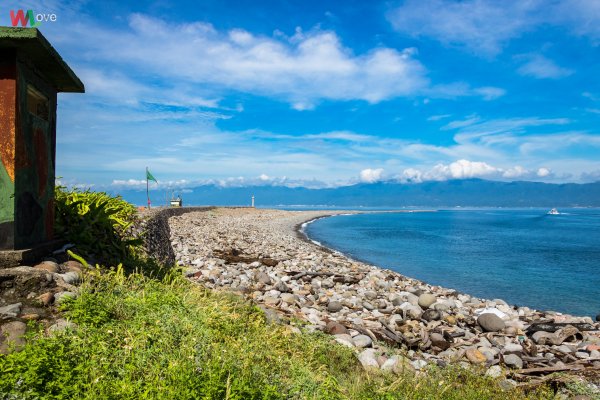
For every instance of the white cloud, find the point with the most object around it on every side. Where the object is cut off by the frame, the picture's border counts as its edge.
(581, 16)
(303, 69)
(141, 184)
(541, 67)
(129, 183)
(111, 86)
(438, 117)
(371, 175)
(503, 147)
(489, 92)
(486, 27)
(463, 89)
(482, 26)
(411, 175)
(543, 172)
(265, 180)
(470, 120)
(461, 169)
(465, 169)
(515, 172)
(592, 176)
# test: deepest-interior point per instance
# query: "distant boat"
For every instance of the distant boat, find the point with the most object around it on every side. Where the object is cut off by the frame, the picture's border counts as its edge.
(554, 211)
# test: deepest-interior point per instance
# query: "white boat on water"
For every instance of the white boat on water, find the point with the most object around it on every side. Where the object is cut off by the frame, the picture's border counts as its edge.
(554, 211)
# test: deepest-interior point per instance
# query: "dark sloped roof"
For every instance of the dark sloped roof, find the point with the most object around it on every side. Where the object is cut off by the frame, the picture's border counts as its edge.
(33, 46)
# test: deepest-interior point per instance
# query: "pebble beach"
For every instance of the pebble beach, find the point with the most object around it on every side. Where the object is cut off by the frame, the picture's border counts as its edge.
(391, 321)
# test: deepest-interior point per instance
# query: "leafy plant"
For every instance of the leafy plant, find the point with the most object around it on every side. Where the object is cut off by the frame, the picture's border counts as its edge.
(99, 225)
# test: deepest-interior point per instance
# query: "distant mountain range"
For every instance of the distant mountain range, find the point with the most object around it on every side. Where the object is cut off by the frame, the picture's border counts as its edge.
(470, 192)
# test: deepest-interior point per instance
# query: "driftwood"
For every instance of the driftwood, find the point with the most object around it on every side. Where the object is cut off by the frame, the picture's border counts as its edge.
(554, 326)
(392, 334)
(547, 370)
(296, 275)
(300, 274)
(233, 256)
(362, 330)
(385, 334)
(534, 359)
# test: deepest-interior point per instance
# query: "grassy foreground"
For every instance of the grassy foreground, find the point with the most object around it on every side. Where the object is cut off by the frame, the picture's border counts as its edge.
(139, 337)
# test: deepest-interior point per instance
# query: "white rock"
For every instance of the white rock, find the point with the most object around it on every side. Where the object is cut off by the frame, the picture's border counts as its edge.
(494, 371)
(368, 359)
(418, 364)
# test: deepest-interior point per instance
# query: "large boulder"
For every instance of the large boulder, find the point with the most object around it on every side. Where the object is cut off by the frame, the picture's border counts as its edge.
(491, 322)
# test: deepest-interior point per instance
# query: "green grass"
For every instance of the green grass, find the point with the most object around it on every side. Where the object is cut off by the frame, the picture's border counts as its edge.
(144, 338)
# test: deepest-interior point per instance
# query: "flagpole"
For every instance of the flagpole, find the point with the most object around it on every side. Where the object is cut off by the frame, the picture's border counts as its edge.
(147, 192)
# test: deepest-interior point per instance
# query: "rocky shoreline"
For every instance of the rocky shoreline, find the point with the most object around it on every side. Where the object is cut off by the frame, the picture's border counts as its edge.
(392, 322)
(34, 293)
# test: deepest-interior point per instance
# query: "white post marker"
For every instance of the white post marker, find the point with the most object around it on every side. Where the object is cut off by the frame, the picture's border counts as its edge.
(252, 201)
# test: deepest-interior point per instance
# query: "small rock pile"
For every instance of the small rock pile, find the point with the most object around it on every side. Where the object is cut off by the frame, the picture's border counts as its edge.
(31, 293)
(393, 322)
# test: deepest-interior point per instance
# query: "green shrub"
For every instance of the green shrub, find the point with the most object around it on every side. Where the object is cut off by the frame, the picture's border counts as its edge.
(99, 225)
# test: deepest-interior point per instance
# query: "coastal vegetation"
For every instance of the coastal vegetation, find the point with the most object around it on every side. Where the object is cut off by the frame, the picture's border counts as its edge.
(100, 225)
(141, 335)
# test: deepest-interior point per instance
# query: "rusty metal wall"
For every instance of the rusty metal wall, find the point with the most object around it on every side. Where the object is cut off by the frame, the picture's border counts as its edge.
(8, 101)
(27, 153)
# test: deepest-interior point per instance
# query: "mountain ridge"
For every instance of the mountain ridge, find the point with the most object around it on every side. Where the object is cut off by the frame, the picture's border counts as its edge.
(464, 193)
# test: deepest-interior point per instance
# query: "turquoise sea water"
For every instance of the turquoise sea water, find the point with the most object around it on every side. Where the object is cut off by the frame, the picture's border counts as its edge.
(526, 257)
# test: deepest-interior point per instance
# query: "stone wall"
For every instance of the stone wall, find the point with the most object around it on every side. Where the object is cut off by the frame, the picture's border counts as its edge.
(157, 237)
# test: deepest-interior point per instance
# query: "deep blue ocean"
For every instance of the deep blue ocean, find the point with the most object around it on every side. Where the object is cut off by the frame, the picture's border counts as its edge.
(526, 257)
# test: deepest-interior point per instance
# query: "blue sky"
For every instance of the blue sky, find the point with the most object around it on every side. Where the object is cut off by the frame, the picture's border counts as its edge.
(325, 93)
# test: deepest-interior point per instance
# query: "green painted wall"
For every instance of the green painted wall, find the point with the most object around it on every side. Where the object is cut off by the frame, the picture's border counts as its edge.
(7, 192)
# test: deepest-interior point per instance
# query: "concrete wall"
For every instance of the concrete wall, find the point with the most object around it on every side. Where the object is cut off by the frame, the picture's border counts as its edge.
(157, 238)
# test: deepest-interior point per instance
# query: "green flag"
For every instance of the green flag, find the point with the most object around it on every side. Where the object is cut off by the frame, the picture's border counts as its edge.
(149, 176)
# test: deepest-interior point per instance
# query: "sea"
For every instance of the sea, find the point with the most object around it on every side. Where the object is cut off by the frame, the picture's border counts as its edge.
(523, 256)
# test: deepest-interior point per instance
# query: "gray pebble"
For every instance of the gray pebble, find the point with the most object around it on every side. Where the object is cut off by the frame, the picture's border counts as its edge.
(61, 325)
(513, 361)
(426, 299)
(282, 287)
(362, 341)
(368, 306)
(60, 297)
(371, 295)
(11, 310)
(262, 278)
(431, 315)
(513, 348)
(71, 278)
(334, 306)
(289, 298)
